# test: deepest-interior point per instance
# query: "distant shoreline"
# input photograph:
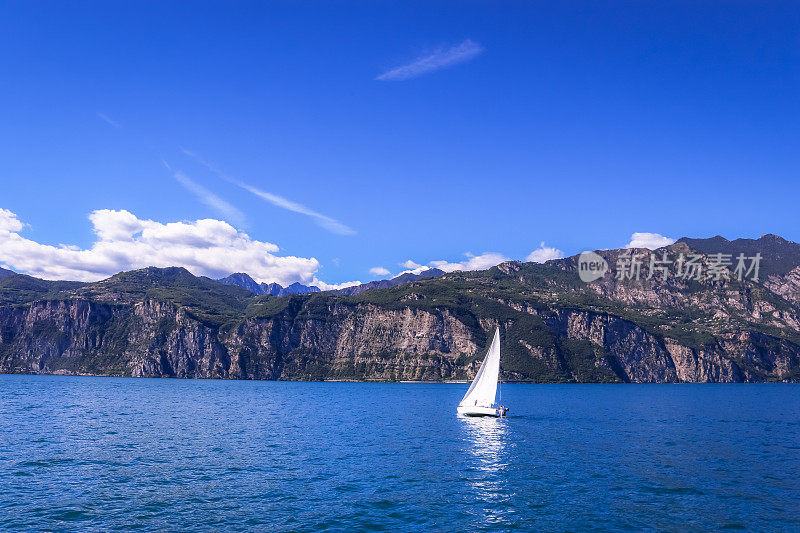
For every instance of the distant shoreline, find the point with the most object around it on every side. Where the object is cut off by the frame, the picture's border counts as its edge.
(443, 382)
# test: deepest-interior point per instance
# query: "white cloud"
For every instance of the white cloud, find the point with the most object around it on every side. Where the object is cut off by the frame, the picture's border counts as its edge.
(330, 224)
(473, 262)
(210, 199)
(9, 222)
(544, 254)
(411, 265)
(412, 268)
(415, 271)
(439, 59)
(649, 240)
(379, 271)
(336, 286)
(206, 247)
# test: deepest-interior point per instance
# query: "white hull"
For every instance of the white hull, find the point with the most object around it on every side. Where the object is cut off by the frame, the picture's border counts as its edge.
(474, 410)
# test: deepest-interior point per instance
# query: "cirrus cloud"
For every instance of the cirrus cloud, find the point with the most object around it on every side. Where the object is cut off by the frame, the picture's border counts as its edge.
(206, 247)
(439, 59)
(329, 223)
(207, 197)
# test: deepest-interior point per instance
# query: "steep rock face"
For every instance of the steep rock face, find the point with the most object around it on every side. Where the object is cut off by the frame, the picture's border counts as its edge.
(419, 344)
(168, 342)
(638, 356)
(156, 339)
(702, 366)
(44, 336)
(787, 286)
(353, 342)
(365, 341)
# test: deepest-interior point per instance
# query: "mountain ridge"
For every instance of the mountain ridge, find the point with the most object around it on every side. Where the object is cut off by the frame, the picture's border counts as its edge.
(241, 279)
(392, 282)
(244, 280)
(784, 255)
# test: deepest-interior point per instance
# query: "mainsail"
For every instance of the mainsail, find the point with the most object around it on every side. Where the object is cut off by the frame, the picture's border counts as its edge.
(484, 387)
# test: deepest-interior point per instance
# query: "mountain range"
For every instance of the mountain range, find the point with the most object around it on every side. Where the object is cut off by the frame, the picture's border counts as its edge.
(165, 322)
(393, 282)
(240, 279)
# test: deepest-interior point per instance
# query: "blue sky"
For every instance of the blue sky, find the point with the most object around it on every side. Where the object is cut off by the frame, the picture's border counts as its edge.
(383, 132)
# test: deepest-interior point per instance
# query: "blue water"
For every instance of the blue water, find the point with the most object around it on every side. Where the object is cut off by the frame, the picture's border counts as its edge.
(105, 453)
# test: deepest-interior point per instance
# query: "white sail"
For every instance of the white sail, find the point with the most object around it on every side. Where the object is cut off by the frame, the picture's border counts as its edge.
(484, 387)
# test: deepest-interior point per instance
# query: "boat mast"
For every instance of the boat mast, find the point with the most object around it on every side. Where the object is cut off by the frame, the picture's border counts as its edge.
(499, 388)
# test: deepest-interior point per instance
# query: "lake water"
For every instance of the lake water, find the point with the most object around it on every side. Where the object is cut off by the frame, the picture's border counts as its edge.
(104, 453)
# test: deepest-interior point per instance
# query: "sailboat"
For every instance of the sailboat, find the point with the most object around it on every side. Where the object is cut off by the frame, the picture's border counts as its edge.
(480, 398)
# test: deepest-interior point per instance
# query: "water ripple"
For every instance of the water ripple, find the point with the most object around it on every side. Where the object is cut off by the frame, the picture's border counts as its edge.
(106, 453)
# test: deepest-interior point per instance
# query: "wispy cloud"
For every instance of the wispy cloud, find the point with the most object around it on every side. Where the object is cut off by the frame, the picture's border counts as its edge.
(213, 201)
(329, 223)
(439, 59)
(107, 120)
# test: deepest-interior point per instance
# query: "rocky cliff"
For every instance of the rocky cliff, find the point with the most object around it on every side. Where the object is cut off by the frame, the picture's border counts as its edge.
(168, 323)
(152, 338)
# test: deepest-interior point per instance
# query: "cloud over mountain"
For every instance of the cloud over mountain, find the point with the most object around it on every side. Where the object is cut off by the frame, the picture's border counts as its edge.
(543, 254)
(205, 247)
(650, 241)
(472, 262)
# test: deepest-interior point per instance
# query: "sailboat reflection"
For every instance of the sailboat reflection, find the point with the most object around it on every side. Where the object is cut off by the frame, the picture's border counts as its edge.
(486, 442)
(485, 439)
